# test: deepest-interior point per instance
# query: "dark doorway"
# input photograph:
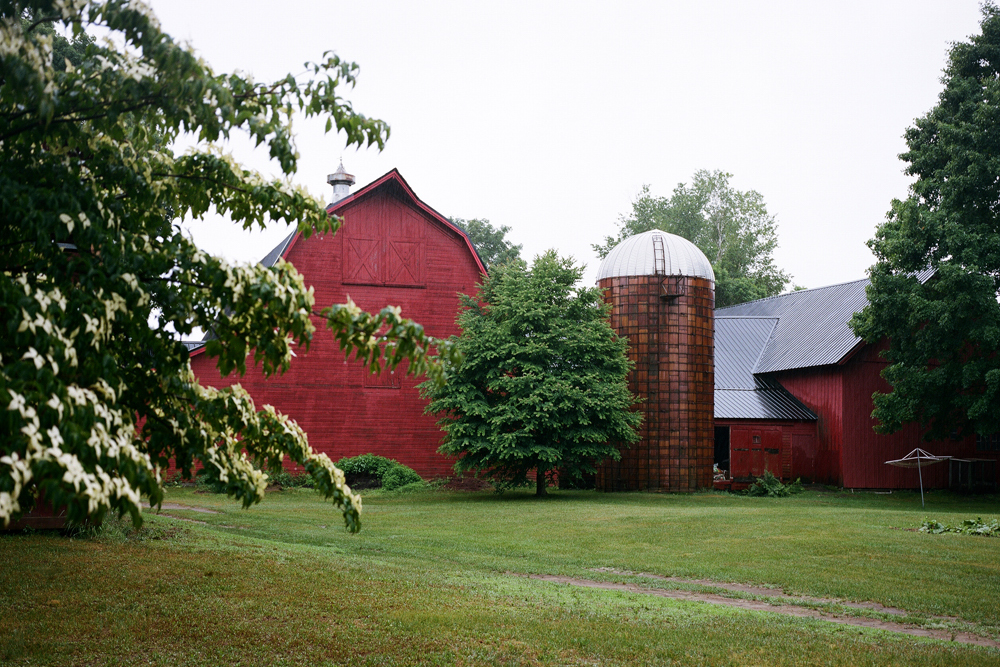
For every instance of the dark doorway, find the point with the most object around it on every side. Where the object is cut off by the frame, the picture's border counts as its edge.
(722, 447)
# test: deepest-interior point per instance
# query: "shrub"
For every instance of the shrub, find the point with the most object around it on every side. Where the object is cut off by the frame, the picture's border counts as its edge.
(388, 473)
(398, 476)
(286, 479)
(366, 464)
(767, 485)
(117, 530)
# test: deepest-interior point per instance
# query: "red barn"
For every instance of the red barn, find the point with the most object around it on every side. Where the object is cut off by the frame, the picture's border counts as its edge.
(392, 249)
(794, 392)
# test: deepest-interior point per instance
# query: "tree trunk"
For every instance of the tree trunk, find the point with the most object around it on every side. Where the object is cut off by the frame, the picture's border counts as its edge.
(540, 485)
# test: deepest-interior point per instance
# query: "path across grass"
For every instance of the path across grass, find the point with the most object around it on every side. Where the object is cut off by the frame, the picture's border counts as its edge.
(433, 579)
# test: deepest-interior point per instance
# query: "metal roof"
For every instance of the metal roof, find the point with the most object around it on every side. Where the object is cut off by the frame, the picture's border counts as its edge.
(655, 253)
(813, 326)
(739, 392)
(272, 257)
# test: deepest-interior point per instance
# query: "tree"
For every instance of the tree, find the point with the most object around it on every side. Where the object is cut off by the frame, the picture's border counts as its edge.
(489, 241)
(94, 400)
(543, 383)
(731, 227)
(944, 333)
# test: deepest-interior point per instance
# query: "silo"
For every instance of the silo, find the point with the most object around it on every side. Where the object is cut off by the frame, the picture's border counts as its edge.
(661, 288)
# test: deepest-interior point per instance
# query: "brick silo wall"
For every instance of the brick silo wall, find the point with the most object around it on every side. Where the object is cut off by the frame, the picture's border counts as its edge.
(669, 323)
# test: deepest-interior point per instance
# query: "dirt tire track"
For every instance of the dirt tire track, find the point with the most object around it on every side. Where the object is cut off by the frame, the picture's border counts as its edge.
(786, 609)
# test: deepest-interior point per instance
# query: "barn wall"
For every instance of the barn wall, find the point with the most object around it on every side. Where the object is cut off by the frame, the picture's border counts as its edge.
(796, 458)
(387, 252)
(821, 390)
(865, 452)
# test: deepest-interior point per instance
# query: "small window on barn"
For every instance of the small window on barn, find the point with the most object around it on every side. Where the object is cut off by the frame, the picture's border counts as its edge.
(756, 440)
(988, 443)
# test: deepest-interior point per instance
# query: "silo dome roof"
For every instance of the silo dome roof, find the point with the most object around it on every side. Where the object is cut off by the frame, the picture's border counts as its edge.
(655, 253)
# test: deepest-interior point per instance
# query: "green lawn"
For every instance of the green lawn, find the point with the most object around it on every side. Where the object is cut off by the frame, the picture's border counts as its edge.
(432, 579)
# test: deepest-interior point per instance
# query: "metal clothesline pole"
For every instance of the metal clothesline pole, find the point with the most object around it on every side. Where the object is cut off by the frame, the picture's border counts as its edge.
(920, 473)
(918, 456)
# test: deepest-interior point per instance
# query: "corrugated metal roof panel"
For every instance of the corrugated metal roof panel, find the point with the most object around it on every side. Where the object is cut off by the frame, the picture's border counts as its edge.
(739, 393)
(739, 342)
(813, 326)
(760, 404)
(637, 256)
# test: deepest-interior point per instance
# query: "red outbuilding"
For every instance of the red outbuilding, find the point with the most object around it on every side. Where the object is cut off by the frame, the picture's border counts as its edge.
(794, 392)
(393, 249)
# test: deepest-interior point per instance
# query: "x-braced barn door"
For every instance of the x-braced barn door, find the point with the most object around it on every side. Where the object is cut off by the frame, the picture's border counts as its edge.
(383, 245)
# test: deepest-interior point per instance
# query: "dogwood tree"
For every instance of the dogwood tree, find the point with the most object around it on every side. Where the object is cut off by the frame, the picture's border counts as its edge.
(96, 279)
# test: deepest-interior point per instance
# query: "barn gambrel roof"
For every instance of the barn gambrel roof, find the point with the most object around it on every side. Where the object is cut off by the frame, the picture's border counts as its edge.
(392, 180)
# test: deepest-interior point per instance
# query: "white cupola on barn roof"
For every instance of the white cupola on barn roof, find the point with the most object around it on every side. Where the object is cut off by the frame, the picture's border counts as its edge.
(656, 253)
(341, 182)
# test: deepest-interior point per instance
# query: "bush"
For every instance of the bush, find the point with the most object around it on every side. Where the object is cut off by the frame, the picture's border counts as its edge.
(398, 476)
(767, 485)
(366, 464)
(285, 479)
(377, 472)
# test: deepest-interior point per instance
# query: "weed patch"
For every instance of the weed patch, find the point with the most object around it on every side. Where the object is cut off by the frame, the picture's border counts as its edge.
(770, 486)
(967, 527)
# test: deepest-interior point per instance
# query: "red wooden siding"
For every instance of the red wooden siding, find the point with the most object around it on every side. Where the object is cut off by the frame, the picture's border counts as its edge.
(865, 452)
(821, 390)
(391, 249)
(848, 452)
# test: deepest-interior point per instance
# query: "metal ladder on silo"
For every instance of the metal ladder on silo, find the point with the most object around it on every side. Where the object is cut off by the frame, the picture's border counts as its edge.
(652, 382)
(659, 256)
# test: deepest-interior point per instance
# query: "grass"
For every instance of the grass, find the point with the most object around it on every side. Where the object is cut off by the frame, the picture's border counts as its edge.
(431, 580)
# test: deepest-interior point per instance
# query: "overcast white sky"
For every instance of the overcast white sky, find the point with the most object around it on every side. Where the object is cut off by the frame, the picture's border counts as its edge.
(550, 116)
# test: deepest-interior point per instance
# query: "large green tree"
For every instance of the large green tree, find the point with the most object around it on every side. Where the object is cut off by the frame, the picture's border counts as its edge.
(543, 383)
(490, 242)
(732, 228)
(97, 280)
(944, 333)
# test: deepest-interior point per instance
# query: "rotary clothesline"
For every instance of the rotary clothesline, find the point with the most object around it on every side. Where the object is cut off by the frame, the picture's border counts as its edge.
(918, 458)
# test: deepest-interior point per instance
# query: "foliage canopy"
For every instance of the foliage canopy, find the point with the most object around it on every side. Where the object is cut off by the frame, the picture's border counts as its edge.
(489, 241)
(96, 280)
(944, 333)
(543, 383)
(731, 227)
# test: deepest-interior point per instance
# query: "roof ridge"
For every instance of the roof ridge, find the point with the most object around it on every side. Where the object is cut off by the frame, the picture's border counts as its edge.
(798, 291)
(765, 346)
